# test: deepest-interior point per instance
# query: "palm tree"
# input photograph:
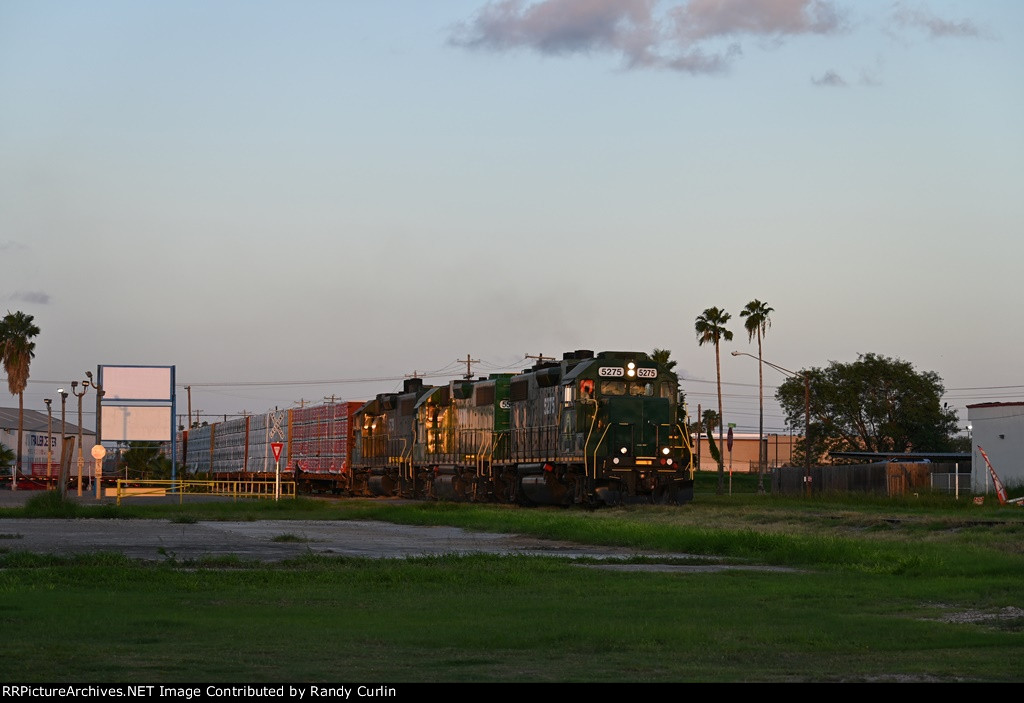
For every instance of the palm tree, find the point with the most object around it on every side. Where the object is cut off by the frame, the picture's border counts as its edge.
(662, 357)
(17, 349)
(758, 321)
(710, 327)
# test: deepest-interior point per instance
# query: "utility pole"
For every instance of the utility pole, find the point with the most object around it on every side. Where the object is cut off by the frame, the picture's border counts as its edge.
(700, 431)
(469, 368)
(540, 358)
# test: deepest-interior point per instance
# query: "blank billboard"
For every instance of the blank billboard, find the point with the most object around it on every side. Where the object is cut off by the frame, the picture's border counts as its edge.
(136, 423)
(137, 383)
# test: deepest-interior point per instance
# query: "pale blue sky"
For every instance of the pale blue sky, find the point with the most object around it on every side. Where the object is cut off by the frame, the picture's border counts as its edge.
(284, 191)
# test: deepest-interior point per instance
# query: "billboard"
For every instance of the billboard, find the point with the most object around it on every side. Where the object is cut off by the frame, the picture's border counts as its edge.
(130, 423)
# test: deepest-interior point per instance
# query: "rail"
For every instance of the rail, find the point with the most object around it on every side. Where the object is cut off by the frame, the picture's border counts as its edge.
(129, 488)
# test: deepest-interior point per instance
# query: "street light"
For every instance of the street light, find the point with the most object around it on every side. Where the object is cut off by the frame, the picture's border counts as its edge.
(49, 435)
(807, 412)
(98, 471)
(81, 461)
(63, 478)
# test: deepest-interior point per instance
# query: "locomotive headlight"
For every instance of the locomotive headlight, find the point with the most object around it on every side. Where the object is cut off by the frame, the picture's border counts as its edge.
(615, 460)
(665, 450)
(623, 450)
(669, 461)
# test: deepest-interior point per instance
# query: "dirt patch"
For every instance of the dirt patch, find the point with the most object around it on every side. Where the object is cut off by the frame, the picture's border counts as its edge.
(264, 540)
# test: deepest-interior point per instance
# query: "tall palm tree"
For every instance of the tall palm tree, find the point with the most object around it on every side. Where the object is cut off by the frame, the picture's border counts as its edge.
(17, 349)
(663, 357)
(710, 327)
(758, 321)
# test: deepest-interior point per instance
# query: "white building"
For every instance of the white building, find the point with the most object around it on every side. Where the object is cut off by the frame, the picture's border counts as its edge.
(40, 444)
(998, 428)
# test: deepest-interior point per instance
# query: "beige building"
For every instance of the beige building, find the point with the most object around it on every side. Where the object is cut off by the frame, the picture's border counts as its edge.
(743, 457)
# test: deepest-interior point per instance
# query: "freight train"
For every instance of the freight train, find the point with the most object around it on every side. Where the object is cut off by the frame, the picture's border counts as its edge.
(591, 429)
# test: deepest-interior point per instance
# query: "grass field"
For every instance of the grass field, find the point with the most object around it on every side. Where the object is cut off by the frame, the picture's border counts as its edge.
(922, 588)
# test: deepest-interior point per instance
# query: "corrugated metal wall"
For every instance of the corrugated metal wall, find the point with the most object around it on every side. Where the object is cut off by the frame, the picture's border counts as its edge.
(197, 458)
(884, 478)
(319, 437)
(229, 446)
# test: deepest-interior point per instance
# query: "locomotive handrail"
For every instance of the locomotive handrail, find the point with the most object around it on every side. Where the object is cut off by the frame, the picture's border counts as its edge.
(689, 447)
(593, 422)
(481, 448)
(596, 447)
(684, 437)
(402, 460)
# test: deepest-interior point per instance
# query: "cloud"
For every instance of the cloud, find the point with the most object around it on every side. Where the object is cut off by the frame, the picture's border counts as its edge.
(830, 79)
(703, 19)
(934, 26)
(555, 26)
(12, 246)
(31, 297)
(685, 37)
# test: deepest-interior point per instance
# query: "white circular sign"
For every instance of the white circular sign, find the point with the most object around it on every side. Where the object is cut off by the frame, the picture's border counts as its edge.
(98, 451)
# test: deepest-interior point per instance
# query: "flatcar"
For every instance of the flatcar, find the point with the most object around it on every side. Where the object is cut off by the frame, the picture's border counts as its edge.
(590, 429)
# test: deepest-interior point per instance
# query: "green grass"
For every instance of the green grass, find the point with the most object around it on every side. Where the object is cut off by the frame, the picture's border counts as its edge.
(488, 618)
(921, 588)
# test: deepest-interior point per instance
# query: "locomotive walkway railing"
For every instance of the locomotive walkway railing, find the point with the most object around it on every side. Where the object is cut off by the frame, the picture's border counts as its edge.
(228, 489)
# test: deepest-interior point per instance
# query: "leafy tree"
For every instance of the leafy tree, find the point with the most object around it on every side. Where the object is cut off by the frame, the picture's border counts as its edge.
(875, 404)
(758, 321)
(17, 350)
(710, 327)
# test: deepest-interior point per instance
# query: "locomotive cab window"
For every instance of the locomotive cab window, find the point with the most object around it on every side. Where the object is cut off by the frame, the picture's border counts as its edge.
(613, 387)
(633, 388)
(644, 389)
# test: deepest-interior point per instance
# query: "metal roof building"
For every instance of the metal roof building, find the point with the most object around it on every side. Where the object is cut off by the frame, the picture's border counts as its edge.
(38, 434)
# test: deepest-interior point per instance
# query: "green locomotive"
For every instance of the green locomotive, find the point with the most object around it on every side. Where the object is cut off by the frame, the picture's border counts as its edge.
(590, 429)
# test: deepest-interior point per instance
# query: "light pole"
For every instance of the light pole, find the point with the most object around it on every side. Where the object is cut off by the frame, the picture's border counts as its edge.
(807, 413)
(98, 471)
(63, 477)
(49, 435)
(81, 461)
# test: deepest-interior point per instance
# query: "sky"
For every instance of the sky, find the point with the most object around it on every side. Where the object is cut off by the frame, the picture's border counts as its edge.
(295, 201)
